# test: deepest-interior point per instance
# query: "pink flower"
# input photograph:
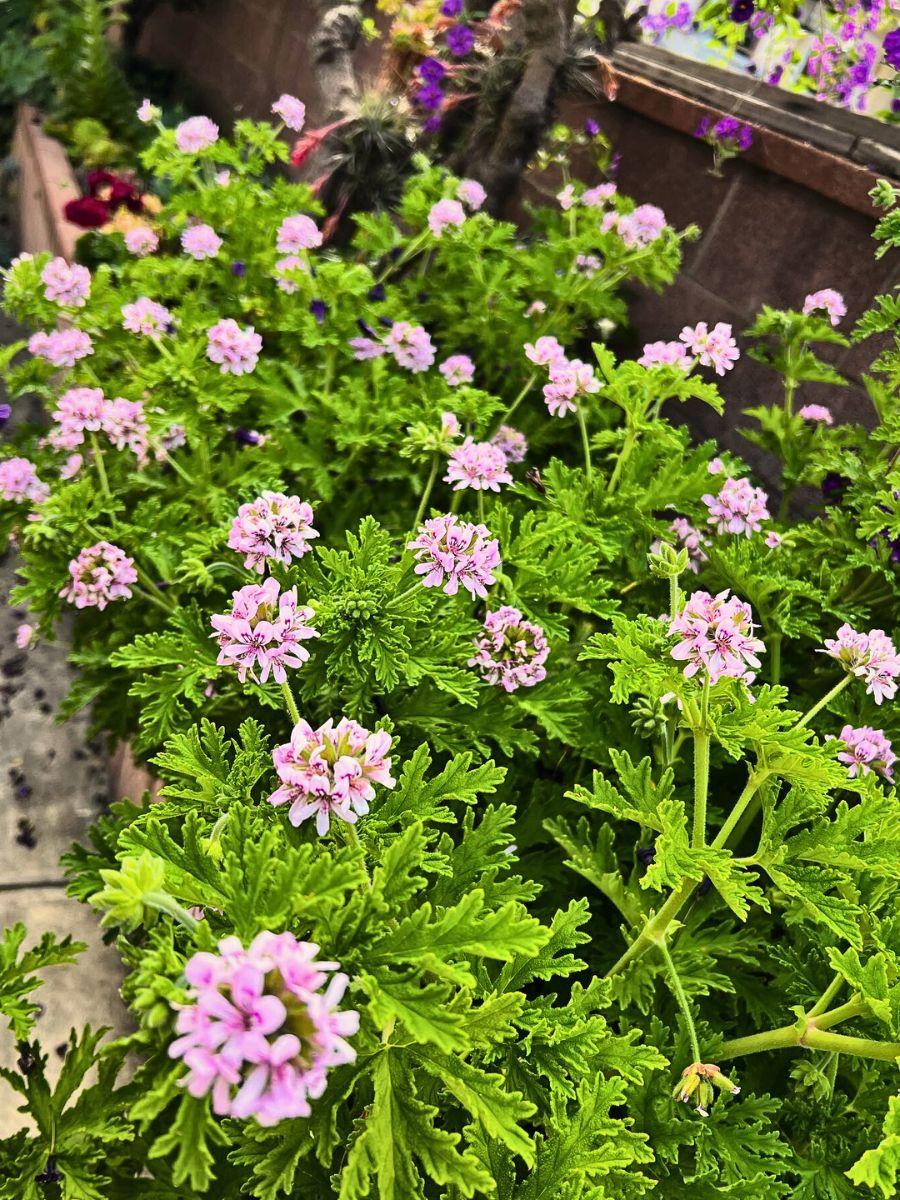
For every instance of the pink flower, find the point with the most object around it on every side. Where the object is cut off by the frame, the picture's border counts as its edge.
(716, 637)
(545, 351)
(639, 228)
(71, 466)
(330, 771)
(124, 424)
(141, 241)
(365, 348)
(597, 196)
(262, 1027)
(284, 269)
(687, 538)
(715, 466)
(65, 284)
(867, 749)
(451, 552)
(147, 317)
(410, 345)
(666, 354)
(24, 634)
(739, 507)
(235, 349)
(816, 412)
(869, 656)
(222, 178)
(147, 112)
(449, 425)
(443, 214)
(264, 631)
(457, 369)
(512, 651)
(535, 309)
(298, 233)
(100, 574)
(471, 193)
(587, 264)
(477, 465)
(713, 348)
(569, 379)
(273, 527)
(79, 411)
(195, 134)
(201, 241)
(566, 197)
(827, 300)
(62, 347)
(291, 110)
(19, 481)
(511, 442)
(773, 540)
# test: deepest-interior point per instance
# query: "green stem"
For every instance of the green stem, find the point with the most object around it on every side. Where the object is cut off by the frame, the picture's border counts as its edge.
(857, 1007)
(101, 469)
(413, 587)
(826, 699)
(674, 597)
(585, 441)
(701, 769)
(679, 994)
(426, 495)
(529, 384)
(624, 455)
(154, 598)
(775, 660)
(163, 902)
(827, 996)
(791, 1036)
(481, 506)
(754, 783)
(291, 703)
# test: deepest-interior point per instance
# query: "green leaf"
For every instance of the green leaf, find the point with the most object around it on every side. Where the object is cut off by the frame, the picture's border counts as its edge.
(879, 1167)
(186, 1143)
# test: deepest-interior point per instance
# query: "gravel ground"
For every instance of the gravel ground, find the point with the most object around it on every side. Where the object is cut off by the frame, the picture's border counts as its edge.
(53, 784)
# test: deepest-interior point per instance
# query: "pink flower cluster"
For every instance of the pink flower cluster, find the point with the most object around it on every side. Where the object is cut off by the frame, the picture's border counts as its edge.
(471, 193)
(62, 347)
(444, 214)
(264, 631)
(100, 574)
(596, 197)
(195, 134)
(330, 771)
(687, 538)
(477, 465)
(146, 317)
(236, 350)
(410, 345)
(666, 354)
(86, 410)
(711, 347)
(816, 412)
(298, 233)
(141, 241)
(451, 552)
(636, 229)
(739, 507)
(568, 378)
(201, 241)
(512, 651)
(869, 656)
(263, 1027)
(457, 369)
(273, 527)
(867, 749)
(68, 285)
(716, 635)
(513, 443)
(19, 481)
(545, 352)
(284, 278)
(291, 110)
(827, 300)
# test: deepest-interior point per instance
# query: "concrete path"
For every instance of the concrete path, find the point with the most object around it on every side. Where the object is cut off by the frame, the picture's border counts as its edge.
(53, 784)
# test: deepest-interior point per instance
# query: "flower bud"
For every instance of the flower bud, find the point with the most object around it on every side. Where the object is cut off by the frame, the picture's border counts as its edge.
(667, 562)
(699, 1081)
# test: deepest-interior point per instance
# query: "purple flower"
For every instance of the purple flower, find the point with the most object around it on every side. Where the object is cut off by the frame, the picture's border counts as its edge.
(5, 413)
(460, 40)
(432, 70)
(319, 309)
(239, 268)
(452, 8)
(742, 11)
(432, 125)
(430, 97)
(591, 128)
(376, 294)
(703, 127)
(247, 437)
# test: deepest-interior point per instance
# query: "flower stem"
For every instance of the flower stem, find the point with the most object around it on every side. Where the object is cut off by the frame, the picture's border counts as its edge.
(826, 699)
(163, 902)
(775, 659)
(679, 994)
(701, 769)
(426, 495)
(624, 455)
(101, 469)
(674, 597)
(291, 703)
(529, 383)
(827, 996)
(585, 441)
(807, 1035)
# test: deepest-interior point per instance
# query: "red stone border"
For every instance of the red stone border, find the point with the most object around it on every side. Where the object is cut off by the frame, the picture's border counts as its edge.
(828, 174)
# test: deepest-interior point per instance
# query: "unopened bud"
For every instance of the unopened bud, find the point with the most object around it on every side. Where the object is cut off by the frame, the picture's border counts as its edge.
(667, 562)
(699, 1082)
